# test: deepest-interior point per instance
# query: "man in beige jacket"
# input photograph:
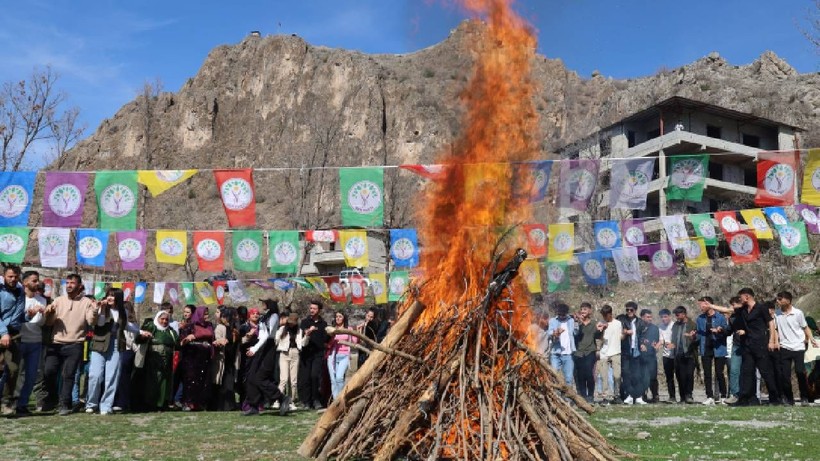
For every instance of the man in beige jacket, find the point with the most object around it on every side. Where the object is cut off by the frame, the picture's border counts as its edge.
(70, 316)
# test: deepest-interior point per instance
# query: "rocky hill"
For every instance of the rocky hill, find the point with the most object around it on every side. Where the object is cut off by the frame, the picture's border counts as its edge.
(277, 101)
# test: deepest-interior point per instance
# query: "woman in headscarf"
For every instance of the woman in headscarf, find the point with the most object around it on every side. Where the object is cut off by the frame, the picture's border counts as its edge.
(196, 338)
(224, 362)
(158, 375)
(249, 336)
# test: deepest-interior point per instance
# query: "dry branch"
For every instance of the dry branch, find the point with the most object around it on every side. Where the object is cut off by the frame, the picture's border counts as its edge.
(373, 344)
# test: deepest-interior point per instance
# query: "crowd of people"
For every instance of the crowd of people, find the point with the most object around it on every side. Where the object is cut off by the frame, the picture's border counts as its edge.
(615, 359)
(75, 353)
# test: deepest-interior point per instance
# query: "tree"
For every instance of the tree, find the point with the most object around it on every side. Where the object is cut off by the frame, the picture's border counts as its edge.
(813, 32)
(32, 111)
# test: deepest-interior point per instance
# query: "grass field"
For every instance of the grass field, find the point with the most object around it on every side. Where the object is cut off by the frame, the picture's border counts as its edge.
(675, 432)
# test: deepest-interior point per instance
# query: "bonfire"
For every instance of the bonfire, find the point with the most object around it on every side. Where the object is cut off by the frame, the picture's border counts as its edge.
(456, 378)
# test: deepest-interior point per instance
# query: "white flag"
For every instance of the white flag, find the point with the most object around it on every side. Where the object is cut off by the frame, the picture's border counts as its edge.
(675, 231)
(53, 246)
(159, 292)
(237, 291)
(629, 183)
(626, 262)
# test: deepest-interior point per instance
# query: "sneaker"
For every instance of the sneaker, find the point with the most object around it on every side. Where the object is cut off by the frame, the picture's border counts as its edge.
(730, 400)
(249, 412)
(689, 400)
(116, 409)
(318, 405)
(709, 401)
(629, 400)
(105, 413)
(284, 408)
(89, 410)
(64, 411)
(293, 407)
(7, 410)
(640, 401)
(275, 405)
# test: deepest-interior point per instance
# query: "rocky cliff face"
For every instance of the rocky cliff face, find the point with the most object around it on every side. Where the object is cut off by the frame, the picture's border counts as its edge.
(278, 102)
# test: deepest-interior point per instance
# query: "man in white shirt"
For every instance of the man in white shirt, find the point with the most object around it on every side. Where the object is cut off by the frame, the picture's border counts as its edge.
(793, 335)
(609, 357)
(31, 339)
(665, 329)
(538, 336)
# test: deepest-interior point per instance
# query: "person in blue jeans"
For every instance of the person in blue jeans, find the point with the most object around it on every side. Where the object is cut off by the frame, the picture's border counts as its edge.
(562, 331)
(736, 355)
(31, 339)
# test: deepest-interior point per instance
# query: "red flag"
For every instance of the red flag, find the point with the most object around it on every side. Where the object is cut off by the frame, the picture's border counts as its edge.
(128, 290)
(337, 291)
(238, 198)
(743, 246)
(210, 250)
(727, 220)
(219, 288)
(776, 176)
(357, 290)
(536, 240)
(48, 291)
(434, 172)
(322, 236)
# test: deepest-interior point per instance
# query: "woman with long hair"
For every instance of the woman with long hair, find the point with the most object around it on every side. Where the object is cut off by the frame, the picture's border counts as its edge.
(249, 336)
(123, 399)
(187, 313)
(223, 364)
(338, 361)
(157, 373)
(106, 346)
(196, 339)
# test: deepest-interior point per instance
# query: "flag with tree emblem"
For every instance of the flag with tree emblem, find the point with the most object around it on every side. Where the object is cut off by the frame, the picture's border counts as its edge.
(362, 194)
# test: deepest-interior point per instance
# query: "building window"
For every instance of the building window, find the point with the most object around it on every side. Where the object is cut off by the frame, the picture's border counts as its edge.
(715, 170)
(630, 138)
(713, 131)
(751, 140)
(653, 134)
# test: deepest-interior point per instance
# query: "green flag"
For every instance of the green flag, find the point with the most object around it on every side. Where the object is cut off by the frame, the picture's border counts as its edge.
(247, 250)
(99, 290)
(558, 276)
(362, 193)
(793, 238)
(188, 292)
(704, 228)
(687, 176)
(284, 251)
(13, 243)
(116, 199)
(301, 282)
(399, 281)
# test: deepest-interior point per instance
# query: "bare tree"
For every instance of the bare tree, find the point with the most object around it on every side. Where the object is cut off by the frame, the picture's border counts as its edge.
(32, 111)
(813, 31)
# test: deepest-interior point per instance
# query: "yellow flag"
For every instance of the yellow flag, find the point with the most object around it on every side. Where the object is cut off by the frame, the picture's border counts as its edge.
(531, 271)
(757, 221)
(378, 286)
(319, 285)
(695, 253)
(486, 183)
(811, 179)
(116, 285)
(172, 247)
(205, 292)
(562, 242)
(354, 248)
(159, 181)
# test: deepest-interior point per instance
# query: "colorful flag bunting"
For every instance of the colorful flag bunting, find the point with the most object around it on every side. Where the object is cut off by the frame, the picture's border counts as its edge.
(13, 244)
(238, 196)
(629, 183)
(159, 292)
(116, 199)
(743, 247)
(755, 220)
(532, 179)
(531, 273)
(128, 291)
(357, 290)
(247, 250)
(209, 248)
(92, 246)
(811, 179)
(362, 194)
(536, 236)
(284, 252)
(399, 282)
(404, 248)
(557, 276)
(131, 250)
(633, 234)
(607, 235)
(776, 178)
(326, 236)
(188, 292)
(578, 181)
(205, 292)
(626, 263)
(777, 215)
(675, 231)
(688, 177)
(695, 253)
(434, 172)
(319, 285)
(159, 181)
(219, 291)
(793, 239)
(727, 221)
(16, 195)
(139, 292)
(99, 290)
(809, 215)
(48, 288)
(336, 290)
(237, 291)
(704, 228)
(64, 199)
(172, 247)
(354, 248)
(562, 241)
(174, 294)
(378, 286)
(53, 243)
(593, 268)
(661, 259)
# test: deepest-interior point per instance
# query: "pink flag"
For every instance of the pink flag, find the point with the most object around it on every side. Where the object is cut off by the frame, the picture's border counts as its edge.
(64, 199)
(131, 248)
(578, 181)
(661, 259)
(173, 293)
(633, 233)
(809, 215)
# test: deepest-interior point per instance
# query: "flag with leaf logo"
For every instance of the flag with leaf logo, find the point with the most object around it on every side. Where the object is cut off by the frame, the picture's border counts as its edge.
(404, 248)
(531, 271)
(578, 181)
(209, 247)
(247, 250)
(116, 199)
(238, 196)
(561, 241)
(811, 179)
(205, 292)
(793, 239)
(626, 264)
(53, 243)
(92, 246)
(675, 231)
(756, 220)
(809, 216)
(593, 267)
(777, 215)
(172, 247)
(633, 233)
(702, 223)
(354, 248)
(16, 195)
(536, 236)
(695, 254)
(335, 289)
(284, 252)
(743, 247)
(629, 184)
(661, 259)
(727, 221)
(362, 194)
(532, 179)
(557, 276)
(399, 282)
(64, 199)
(776, 178)
(607, 235)
(131, 250)
(687, 178)
(378, 286)
(159, 181)
(188, 292)
(13, 243)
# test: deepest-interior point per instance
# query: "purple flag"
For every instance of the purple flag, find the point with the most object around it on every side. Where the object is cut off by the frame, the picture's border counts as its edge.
(661, 259)
(633, 233)
(172, 288)
(809, 215)
(578, 181)
(64, 199)
(131, 248)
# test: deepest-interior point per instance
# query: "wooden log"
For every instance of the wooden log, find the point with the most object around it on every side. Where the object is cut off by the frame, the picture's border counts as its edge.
(352, 417)
(330, 418)
(371, 343)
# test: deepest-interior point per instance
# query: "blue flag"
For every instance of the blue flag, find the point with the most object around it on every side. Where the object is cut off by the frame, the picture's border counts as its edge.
(532, 179)
(139, 292)
(404, 248)
(16, 194)
(607, 235)
(777, 215)
(593, 267)
(92, 246)
(282, 284)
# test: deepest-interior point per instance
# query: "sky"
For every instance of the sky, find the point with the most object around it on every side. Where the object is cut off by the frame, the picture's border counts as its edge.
(106, 50)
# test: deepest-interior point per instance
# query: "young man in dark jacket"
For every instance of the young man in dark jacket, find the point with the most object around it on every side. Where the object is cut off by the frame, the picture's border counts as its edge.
(684, 347)
(312, 357)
